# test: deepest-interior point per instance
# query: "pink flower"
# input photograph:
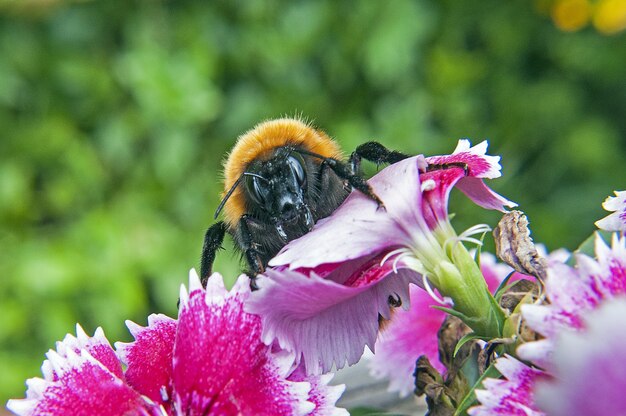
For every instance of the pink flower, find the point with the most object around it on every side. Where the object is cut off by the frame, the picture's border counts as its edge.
(413, 332)
(573, 292)
(617, 220)
(589, 367)
(323, 297)
(210, 361)
(583, 350)
(410, 334)
(511, 396)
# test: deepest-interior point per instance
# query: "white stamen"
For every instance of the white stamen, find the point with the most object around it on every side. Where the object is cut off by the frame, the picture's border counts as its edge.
(465, 235)
(395, 262)
(476, 229)
(431, 292)
(428, 185)
(393, 253)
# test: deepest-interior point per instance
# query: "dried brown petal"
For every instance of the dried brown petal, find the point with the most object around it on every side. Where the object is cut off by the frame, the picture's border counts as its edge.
(515, 246)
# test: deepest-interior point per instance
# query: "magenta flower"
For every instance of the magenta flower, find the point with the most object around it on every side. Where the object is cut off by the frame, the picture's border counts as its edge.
(326, 290)
(413, 332)
(589, 367)
(511, 396)
(617, 220)
(210, 361)
(573, 292)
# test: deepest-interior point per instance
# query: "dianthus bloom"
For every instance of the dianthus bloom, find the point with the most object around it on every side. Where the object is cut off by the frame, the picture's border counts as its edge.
(324, 295)
(589, 367)
(582, 354)
(209, 361)
(573, 292)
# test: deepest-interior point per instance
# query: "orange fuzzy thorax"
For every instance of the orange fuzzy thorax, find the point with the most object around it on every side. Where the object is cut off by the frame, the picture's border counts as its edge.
(258, 143)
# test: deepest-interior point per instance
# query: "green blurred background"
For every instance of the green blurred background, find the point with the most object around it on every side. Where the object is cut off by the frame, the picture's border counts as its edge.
(115, 116)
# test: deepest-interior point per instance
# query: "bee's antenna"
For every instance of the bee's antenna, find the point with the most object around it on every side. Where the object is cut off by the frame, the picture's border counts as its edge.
(255, 175)
(232, 189)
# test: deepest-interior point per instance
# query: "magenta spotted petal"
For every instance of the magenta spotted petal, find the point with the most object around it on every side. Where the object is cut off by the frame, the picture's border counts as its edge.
(210, 361)
(220, 364)
(617, 220)
(322, 395)
(511, 396)
(82, 386)
(149, 357)
(97, 347)
(573, 292)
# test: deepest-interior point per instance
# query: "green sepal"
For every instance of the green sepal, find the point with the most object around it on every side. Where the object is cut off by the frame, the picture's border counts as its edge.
(452, 312)
(467, 337)
(502, 287)
(588, 247)
(470, 398)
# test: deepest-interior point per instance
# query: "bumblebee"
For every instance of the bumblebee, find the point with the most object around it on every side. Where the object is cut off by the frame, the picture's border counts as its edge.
(280, 178)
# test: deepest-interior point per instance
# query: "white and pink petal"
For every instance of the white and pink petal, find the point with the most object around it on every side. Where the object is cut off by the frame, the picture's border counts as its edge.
(617, 220)
(511, 396)
(97, 346)
(84, 387)
(324, 323)
(479, 166)
(573, 292)
(323, 395)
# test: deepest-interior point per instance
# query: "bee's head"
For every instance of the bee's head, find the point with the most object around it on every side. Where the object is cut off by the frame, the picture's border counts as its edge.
(278, 187)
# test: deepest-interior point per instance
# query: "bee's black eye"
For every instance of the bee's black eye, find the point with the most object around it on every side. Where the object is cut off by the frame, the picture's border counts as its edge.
(296, 163)
(256, 189)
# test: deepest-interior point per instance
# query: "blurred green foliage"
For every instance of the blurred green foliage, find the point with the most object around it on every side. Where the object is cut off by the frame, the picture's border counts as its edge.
(115, 115)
